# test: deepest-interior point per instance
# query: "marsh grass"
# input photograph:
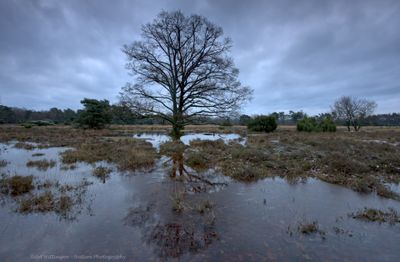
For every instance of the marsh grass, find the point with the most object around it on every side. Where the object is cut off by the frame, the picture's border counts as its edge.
(364, 161)
(177, 204)
(172, 148)
(17, 185)
(375, 215)
(46, 202)
(127, 154)
(32, 195)
(205, 206)
(102, 172)
(43, 164)
(198, 160)
(3, 163)
(310, 228)
(38, 154)
(26, 146)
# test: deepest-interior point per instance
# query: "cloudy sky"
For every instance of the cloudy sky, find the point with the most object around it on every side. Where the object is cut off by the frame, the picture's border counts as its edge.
(296, 55)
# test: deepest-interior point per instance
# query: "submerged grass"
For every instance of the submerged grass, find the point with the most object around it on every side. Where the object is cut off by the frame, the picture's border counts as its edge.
(102, 172)
(32, 195)
(16, 185)
(46, 202)
(3, 163)
(311, 229)
(37, 154)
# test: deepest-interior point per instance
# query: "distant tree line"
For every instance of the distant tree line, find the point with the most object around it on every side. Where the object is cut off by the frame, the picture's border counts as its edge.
(119, 114)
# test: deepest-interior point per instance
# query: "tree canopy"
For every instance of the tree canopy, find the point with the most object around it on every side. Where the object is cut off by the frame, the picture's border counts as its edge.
(182, 70)
(96, 114)
(353, 111)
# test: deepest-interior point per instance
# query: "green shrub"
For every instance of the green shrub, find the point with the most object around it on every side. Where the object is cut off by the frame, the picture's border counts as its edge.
(96, 114)
(27, 125)
(42, 123)
(311, 124)
(263, 124)
(327, 125)
(308, 124)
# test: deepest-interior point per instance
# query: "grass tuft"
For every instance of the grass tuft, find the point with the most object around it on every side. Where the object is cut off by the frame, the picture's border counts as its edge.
(41, 164)
(375, 215)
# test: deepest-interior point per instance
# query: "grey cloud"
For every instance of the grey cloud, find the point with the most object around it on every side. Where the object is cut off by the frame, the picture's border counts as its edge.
(295, 54)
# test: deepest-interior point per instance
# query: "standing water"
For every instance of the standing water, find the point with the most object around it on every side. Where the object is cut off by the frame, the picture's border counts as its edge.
(156, 139)
(168, 214)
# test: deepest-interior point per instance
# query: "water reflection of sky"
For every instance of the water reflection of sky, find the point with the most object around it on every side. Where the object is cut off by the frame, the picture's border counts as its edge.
(132, 215)
(156, 139)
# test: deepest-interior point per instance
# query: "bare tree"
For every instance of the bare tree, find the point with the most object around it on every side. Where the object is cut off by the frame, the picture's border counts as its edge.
(353, 110)
(182, 69)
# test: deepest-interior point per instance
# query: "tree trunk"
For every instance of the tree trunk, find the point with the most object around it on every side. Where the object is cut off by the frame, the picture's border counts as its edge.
(176, 132)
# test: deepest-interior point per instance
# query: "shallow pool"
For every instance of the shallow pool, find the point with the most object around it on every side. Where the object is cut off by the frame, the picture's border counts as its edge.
(172, 212)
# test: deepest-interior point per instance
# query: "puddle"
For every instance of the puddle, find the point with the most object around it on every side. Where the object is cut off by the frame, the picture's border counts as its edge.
(218, 220)
(156, 139)
(377, 141)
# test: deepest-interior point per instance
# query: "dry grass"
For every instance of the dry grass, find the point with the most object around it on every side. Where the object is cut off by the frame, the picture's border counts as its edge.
(205, 206)
(46, 202)
(16, 185)
(43, 164)
(376, 215)
(127, 154)
(310, 228)
(26, 146)
(59, 135)
(102, 172)
(32, 195)
(37, 154)
(364, 161)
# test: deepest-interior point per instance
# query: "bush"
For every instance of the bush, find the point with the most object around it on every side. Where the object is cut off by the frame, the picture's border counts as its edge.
(327, 125)
(310, 124)
(263, 124)
(96, 114)
(42, 123)
(27, 125)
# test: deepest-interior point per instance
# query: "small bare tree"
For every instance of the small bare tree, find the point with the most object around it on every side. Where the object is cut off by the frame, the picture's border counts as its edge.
(182, 70)
(353, 110)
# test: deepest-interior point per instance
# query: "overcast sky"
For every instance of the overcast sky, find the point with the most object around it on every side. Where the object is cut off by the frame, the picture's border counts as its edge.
(296, 55)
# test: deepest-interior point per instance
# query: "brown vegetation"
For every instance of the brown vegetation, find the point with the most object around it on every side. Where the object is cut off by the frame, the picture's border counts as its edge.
(376, 215)
(310, 229)
(365, 161)
(102, 172)
(127, 154)
(42, 196)
(46, 202)
(356, 160)
(16, 185)
(3, 163)
(43, 164)
(26, 146)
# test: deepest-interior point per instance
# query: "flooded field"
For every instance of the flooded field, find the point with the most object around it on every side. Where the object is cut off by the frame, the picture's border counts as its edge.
(156, 139)
(173, 210)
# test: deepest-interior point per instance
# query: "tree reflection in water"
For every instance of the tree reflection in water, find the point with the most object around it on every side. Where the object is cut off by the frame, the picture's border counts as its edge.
(172, 233)
(195, 182)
